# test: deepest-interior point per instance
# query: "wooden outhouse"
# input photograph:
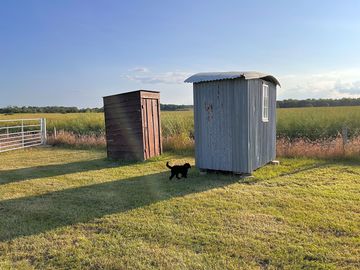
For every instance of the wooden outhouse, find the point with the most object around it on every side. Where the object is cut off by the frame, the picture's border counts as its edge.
(235, 120)
(132, 122)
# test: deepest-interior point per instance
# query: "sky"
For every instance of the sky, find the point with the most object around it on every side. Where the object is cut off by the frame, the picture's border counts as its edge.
(74, 52)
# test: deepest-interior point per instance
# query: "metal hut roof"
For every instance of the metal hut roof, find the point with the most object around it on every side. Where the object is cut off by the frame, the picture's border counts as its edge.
(216, 76)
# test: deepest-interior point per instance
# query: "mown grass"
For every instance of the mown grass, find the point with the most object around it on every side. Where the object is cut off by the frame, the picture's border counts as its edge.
(74, 209)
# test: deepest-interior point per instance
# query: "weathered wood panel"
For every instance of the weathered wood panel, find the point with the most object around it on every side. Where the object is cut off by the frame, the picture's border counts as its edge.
(156, 127)
(130, 97)
(133, 125)
(149, 94)
(150, 126)
(145, 129)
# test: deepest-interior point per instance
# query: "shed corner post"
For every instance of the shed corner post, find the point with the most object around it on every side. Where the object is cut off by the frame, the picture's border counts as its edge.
(249, 111)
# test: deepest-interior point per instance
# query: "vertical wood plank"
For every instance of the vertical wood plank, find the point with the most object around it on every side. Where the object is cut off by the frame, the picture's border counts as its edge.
(133, 125)
(150, 127)
(156, 126)
(145, 128)
(159, 126)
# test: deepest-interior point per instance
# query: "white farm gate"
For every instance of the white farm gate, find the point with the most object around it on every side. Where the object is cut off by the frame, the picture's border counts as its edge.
(22, 133)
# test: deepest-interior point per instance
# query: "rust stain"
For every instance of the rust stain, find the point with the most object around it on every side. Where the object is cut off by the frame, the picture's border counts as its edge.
(209, 109)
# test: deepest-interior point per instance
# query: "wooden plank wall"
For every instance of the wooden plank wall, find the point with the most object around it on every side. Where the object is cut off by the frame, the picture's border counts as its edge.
(123, 126)
(132, 123)
(151, 127)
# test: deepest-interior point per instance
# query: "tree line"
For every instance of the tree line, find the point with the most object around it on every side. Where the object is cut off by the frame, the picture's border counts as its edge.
(287, 103)
(64, 109)
(46, 109)
(295, 103)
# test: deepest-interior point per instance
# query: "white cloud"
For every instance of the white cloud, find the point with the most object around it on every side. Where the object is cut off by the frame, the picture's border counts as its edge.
(349, 87)
(139, 69)
(333, 84)
(174, 77)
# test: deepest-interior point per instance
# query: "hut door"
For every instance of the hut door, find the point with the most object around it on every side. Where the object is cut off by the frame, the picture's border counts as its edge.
(150, 120)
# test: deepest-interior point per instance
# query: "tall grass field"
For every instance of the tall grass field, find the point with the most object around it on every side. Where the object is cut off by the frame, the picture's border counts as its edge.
(295, 125)
(311, 123)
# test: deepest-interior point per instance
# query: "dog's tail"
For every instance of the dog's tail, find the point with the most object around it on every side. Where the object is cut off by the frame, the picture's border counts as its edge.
(167, 165)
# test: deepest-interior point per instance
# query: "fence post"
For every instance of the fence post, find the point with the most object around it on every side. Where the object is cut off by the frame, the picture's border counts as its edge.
(22, 133)
(43, 131)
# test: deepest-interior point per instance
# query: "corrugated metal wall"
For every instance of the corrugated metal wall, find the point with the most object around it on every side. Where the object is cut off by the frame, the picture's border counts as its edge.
(240, 126)
(220, 119)
(262, 135)
(229, 132)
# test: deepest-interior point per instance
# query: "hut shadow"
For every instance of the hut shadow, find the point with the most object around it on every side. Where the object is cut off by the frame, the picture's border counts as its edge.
(347, 164)
(18, 175)
(38, 214)
(255, 180)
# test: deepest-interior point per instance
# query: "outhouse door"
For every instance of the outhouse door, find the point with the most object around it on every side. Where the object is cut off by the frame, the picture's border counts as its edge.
(150, 109)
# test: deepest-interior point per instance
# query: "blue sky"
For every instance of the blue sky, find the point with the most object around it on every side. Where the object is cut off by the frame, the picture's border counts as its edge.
(74, 52)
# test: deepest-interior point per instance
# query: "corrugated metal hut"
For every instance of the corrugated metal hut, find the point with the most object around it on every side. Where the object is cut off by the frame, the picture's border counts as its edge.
(132, 122)
(235, 120)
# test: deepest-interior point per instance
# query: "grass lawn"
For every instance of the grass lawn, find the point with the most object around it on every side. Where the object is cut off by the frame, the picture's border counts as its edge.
(73, 209)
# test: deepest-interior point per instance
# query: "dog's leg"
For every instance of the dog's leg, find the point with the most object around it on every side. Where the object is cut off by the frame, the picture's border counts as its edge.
(171, 176)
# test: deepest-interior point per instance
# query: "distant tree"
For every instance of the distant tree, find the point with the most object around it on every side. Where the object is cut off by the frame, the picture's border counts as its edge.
(294, 103)
(174, 107)
(287, 103)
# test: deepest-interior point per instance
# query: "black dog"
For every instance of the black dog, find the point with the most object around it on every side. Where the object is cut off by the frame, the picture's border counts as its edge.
(178, 169)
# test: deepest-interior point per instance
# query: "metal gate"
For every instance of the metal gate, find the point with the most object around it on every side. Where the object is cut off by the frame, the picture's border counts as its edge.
(22, 133)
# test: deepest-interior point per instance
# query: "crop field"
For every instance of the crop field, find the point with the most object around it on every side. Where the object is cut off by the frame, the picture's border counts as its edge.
(317, 123)
(310, 132)
(74, 209)
(79, 123)
(309, 123)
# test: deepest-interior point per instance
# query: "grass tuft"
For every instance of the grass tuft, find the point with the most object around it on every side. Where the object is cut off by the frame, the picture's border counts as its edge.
(74, 209)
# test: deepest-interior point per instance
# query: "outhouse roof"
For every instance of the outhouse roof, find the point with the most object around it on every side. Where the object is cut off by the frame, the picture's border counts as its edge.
(216, 76)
